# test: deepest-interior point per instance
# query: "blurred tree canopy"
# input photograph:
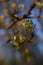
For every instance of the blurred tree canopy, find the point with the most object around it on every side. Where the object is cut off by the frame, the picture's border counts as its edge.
(21, 32)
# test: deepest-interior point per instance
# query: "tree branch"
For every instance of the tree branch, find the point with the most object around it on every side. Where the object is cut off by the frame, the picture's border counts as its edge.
(22, 17)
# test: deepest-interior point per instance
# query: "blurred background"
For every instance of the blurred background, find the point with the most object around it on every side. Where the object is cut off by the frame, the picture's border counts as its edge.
(12, 54)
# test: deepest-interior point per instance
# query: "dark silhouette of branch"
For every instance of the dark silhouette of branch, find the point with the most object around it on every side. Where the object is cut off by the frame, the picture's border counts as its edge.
(22, 17)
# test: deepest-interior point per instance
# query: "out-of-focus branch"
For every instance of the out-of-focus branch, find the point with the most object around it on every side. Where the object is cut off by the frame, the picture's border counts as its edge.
(13, 22)
(25, 15)
(22, 17)
(10, 26)
(34, 17)
(29, 11)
